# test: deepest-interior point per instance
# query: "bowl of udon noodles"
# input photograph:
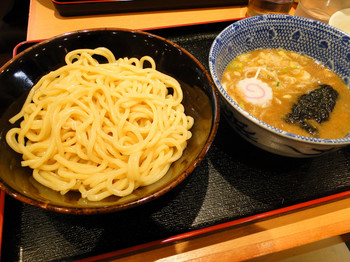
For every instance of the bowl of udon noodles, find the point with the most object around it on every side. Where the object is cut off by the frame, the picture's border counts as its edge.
(284, 83)
(101, 120)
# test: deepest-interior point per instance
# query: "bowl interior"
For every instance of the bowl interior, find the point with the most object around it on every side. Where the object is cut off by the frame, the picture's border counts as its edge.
(313, 38)
(306, 36)
(21, 73)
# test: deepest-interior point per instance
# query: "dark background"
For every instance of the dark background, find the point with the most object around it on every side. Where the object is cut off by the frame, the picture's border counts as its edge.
(13, 26)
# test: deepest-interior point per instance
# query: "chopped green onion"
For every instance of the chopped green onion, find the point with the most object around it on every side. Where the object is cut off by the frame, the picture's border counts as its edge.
(281, 53)
(293, 65)
(278, 84)
(234, 64)
(285, 70)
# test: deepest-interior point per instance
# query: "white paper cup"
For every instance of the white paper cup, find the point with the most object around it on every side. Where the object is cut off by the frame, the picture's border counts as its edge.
(320, 10)
(341, 20)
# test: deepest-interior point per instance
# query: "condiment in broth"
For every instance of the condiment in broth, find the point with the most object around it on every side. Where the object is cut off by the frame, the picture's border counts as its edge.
(270, 84)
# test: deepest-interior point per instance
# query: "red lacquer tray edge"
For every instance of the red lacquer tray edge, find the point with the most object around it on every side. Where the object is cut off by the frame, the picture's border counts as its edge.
(212, 229)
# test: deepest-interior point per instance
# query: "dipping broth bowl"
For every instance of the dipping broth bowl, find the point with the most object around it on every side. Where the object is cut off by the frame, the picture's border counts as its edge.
(312, 38)
(201, 101)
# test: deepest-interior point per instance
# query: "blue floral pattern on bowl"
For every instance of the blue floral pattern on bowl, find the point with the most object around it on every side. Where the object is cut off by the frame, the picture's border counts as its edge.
(313, 38)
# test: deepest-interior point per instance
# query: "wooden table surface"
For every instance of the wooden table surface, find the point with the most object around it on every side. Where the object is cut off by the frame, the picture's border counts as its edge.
(45, 21)
(240, 242)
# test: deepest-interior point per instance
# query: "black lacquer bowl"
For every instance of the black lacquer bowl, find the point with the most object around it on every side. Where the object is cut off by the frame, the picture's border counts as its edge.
(19, 75)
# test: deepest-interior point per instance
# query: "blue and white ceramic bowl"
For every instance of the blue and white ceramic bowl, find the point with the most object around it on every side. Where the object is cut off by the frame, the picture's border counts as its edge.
(315, 39)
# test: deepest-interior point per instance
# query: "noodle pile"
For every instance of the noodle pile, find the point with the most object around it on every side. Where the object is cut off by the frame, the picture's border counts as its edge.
(101, 128)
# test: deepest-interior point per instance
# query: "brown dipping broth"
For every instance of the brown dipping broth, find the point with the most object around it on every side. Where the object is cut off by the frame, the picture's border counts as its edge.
(289, 75)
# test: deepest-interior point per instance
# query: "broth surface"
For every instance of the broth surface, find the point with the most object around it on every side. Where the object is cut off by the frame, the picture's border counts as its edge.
(268, 82)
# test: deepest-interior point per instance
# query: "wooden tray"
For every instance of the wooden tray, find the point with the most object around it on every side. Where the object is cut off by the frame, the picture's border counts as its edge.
(236, 183)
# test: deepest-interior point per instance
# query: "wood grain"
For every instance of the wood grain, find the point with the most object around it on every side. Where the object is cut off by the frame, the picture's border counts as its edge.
(259, 238)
